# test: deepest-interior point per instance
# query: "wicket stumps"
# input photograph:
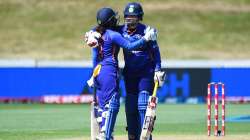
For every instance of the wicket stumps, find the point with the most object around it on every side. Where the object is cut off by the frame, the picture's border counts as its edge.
(216, 88)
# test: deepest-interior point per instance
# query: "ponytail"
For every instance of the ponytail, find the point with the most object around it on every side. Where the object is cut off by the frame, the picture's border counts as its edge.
(100, 29)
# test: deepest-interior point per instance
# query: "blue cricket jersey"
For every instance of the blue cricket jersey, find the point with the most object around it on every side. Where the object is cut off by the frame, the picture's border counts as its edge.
(107, 52)
(144, 58)
(107, 82)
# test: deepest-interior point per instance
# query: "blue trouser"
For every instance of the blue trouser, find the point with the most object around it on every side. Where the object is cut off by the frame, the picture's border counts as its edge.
(138, 89)
(106, 84)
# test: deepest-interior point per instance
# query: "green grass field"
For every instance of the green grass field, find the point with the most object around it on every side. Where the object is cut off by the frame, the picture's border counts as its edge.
(71, 122)
(193, 29)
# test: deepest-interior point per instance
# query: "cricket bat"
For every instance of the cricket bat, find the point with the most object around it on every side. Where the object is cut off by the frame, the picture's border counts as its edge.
(94, 109)
(93, 113)
(150, 115)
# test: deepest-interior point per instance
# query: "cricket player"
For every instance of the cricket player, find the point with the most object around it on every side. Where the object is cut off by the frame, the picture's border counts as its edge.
(106, 42)
(142, 66)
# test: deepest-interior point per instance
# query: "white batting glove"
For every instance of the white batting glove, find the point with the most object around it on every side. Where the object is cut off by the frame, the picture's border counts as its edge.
(90, 82)
(160, 76)
(150, 34)
(91, 38)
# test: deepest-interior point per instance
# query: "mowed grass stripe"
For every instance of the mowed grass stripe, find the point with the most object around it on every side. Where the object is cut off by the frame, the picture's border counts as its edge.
(37, 121)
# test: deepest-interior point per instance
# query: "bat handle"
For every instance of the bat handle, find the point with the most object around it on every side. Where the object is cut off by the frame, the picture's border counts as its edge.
(155, 88)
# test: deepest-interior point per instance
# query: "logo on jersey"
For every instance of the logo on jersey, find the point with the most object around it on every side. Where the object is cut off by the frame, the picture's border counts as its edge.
(125, 35)
(136, 52)
(137, 36)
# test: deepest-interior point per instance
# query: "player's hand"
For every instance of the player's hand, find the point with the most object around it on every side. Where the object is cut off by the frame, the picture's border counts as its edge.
(160, 76)
(90, 82)
(92, 38)
(150, 34)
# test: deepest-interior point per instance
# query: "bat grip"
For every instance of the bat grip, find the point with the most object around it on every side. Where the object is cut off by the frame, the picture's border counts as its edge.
(155, 88)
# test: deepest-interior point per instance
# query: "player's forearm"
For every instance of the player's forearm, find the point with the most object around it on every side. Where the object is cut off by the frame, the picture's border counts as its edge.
(125, 44)
(95, 59)
(157, 58)
(158, 67)
(134, 45)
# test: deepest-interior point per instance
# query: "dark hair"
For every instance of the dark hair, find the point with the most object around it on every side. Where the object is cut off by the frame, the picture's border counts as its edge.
(106, 18)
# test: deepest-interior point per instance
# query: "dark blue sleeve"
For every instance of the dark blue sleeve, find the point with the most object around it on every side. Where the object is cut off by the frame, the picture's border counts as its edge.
(122, 42)
(95, 59)
(156, 55)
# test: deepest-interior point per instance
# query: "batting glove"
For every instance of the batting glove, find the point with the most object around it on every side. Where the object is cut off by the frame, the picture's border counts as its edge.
(160, 76)
(90, 82)
(150, 34)
(92, 38)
